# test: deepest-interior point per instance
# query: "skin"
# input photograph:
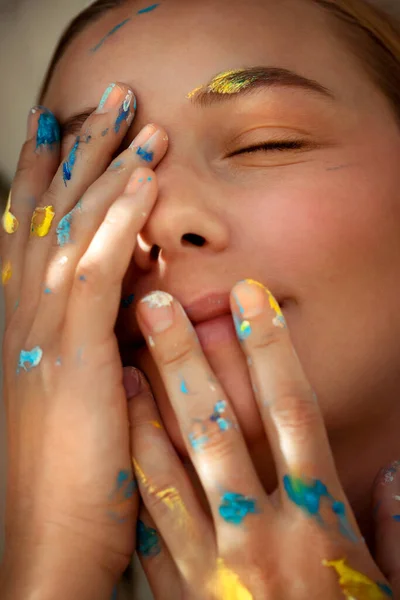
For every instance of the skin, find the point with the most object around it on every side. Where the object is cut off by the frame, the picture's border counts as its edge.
(318, 227)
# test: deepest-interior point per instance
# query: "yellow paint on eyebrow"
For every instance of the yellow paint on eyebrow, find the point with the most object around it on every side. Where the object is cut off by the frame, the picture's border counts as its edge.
(42, 219)
(355, 584)
(10, 222)
(169, 496)
(6, 273)
(229, 82)
(227, 585)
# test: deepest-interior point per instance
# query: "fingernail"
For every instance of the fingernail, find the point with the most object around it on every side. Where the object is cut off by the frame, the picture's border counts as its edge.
(46, 127)
(111, 98)
(144, 142)
(252, 298)
(131, 381)
(157, 311)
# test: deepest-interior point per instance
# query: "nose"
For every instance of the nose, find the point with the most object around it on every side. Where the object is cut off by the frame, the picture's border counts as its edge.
(186, 218)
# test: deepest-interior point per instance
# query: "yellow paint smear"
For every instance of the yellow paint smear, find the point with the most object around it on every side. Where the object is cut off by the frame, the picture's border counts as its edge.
(280, 321)
(355, 584)
(156, 424)
(226, 585)
(169, 496)
(10, 222)
(42, 219)
(6, 273)
(229, 82)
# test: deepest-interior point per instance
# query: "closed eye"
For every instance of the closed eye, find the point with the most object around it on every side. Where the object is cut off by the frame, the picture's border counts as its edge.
(271, 147)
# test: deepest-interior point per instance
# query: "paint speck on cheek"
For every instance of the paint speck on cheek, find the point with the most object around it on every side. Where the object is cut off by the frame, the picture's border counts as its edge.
(6, 273)
(29, 359)
(42, 219)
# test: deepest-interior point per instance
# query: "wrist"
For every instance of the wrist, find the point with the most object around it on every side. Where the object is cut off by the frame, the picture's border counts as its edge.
(59, 571)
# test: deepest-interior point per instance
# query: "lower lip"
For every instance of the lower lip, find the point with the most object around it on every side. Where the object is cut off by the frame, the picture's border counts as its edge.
(216, 331)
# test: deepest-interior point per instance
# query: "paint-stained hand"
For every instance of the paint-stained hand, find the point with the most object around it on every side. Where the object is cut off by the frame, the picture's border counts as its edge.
(69, 232)
(301, 543)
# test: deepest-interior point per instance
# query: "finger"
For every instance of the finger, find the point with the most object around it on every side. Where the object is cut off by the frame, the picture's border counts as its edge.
(386, 498)
(156, 561)
(206, 419)
(290, 413)
(165, 488)
(76, 230)
(89, 156)
(39, 159)
(95, 296)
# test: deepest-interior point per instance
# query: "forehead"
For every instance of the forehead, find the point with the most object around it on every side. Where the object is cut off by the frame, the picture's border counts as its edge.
(167, 50)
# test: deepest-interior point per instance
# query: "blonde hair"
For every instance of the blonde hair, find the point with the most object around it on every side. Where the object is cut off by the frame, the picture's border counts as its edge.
(370, 34)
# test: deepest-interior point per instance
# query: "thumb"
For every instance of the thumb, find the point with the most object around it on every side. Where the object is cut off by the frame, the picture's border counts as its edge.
(386, 498)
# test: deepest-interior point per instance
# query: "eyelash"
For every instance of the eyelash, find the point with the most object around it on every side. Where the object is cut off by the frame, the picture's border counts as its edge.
(270, 146)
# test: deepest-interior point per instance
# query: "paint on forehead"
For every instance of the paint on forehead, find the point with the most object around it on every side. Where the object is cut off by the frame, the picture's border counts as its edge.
(309, 495)
(42, 219)
(228, 82)
(64, 230)
(356, 585)
(147, 540)
(109, 34)
(148, 9)
(226, 584)
(48, 132)
(6, 273)
(235, 507)
(28, 359)
(68, 165)
(10, 222)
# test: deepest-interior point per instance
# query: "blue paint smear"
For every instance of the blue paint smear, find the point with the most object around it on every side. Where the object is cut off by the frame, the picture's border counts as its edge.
(115, 594)
(147, 541)
(144, 155)
(243, 328)
(28, 359)
(235, 507)
(130, 489)
(241, 309)
(396, 518)
(109, 34)
(82, 278)
(197, 443)
(122, 478)
(64, 230)
(148, 9)
(69, 164)
(309, 496)
(126, 302)
(104, 133)
(385, 589)
(16, 304)
(47, 291)
(117, 164)
(123, 114)
(48, 132)
(216, 417)
(184, 387)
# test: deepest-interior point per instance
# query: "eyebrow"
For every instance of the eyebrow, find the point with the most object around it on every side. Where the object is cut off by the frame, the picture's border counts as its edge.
(245, 81)
(225, 85)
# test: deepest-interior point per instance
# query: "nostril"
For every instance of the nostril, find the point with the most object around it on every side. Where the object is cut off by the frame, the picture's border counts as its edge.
(193, 239)
(154, 252)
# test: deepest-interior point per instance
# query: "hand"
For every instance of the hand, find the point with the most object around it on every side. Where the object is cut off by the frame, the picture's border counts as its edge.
(301, 543)
(71, 506)
(386, 495)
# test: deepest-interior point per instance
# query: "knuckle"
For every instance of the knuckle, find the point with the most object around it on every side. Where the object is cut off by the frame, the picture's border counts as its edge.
(177, 354)
(295, 411)
(218, 447)
(26, 162)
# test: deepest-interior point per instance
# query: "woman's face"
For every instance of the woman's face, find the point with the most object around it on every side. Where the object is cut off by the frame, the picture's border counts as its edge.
(317, 223)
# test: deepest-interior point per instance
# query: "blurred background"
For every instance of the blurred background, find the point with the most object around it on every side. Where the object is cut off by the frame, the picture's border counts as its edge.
(29, 30)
